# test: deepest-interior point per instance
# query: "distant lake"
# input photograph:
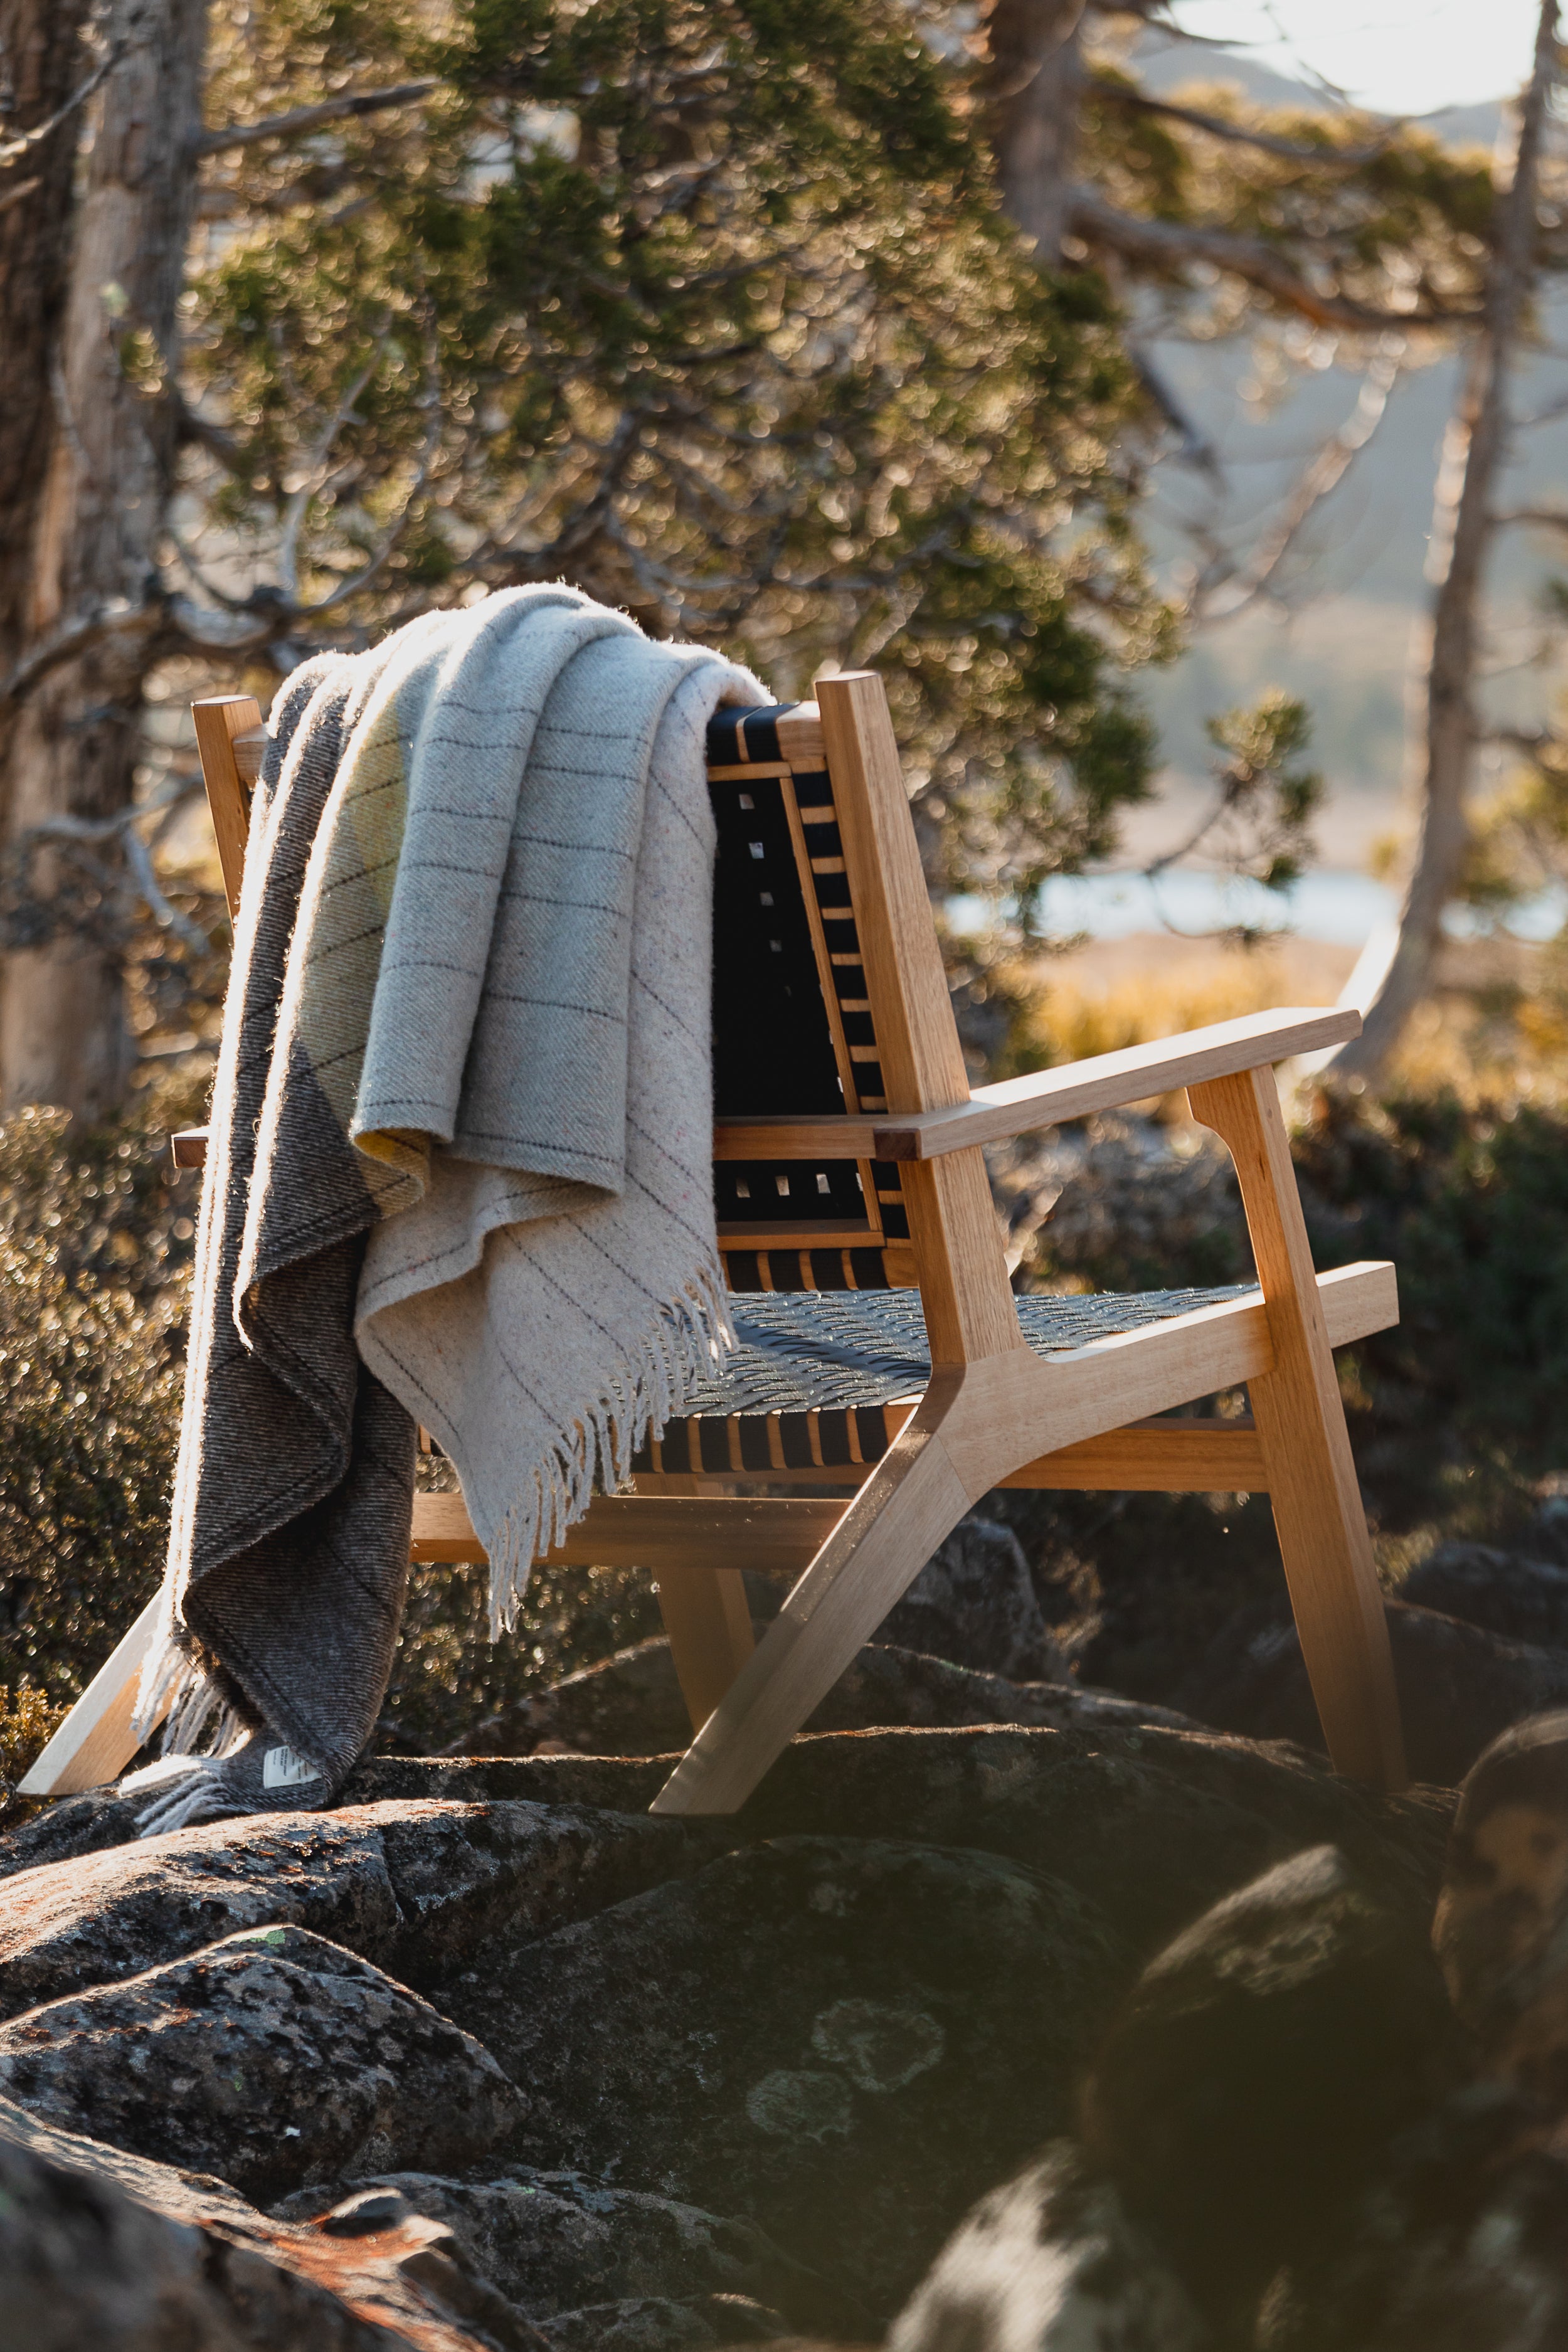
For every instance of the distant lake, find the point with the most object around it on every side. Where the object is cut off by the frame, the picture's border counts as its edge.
(1343, 908)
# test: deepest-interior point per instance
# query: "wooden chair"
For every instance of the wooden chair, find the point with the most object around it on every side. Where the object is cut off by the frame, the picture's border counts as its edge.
(888, 1377)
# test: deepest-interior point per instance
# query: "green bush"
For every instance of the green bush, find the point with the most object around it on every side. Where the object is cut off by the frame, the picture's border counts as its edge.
(95, 1243)
(448, 1676)
(1471, 1203)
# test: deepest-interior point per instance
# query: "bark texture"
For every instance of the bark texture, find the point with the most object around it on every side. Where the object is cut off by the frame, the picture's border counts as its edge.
(1030, 82)
(1474, 452)
(90, 611)
(43, 61)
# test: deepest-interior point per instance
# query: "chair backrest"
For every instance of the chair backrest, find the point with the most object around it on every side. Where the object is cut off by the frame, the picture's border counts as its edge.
(794, 1031)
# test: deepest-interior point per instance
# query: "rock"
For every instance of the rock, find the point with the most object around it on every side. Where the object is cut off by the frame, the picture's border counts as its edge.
(890, 1689)
(1459, 1685)
(1523, 1600)
(842, 2039)
(559, 2242)
(416, 1888)
(653, 2323)
(625, 1705)
(64, 1927)
(270, 2059)
(68, 1827)
(1459, 2245)
(630, 1705)
(839, 2015)
(1151, 1825)
(1049, 2263)
(101, 2251)
(1244, 2087)
(974, 1603)
(1501, 1928)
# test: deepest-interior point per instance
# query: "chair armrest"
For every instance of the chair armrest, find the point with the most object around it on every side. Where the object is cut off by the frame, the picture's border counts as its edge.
(993, 1114)
(1017, 1106)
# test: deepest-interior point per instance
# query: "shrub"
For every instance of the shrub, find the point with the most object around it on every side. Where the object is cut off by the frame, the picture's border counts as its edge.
(447, 1676)
(27, 1723)
(94, 1250)
(1471, 1202)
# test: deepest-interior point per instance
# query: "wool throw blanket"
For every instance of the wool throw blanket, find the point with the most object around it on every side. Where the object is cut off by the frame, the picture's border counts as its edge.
(460, 1162)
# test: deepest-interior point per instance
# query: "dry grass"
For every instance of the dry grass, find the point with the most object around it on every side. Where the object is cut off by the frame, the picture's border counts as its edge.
(1496, 1032)
(1077, 1010)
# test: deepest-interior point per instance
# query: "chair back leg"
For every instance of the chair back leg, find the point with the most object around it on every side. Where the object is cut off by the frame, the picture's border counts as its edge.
(709, 1628)
(1300, 1421)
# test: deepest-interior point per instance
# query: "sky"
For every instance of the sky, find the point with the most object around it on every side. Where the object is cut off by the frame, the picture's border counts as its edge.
(1400, 57)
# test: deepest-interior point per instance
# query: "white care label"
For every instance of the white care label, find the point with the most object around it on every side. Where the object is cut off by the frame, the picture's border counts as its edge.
(282, 1768)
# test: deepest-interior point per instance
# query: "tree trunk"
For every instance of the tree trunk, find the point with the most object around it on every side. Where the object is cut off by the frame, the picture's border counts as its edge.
(43, 61)
(1029, 86)
(1474, 451)
(72, 741)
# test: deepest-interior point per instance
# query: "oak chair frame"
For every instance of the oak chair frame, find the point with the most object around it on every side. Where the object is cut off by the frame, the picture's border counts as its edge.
(993, 1413)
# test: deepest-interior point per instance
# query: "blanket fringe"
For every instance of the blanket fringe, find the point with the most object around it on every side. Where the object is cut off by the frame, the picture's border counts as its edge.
(693, 1334)
(172, 1684)
(183, 1789)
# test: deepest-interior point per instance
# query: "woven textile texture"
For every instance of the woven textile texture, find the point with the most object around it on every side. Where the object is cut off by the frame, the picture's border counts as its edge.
(463, 1116)
(805, 1351)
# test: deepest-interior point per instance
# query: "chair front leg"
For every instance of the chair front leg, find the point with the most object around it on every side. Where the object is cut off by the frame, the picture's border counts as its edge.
(912, 1502)
(1300, 1421)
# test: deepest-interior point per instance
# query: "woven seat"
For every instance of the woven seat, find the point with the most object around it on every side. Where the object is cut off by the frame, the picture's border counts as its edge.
(827, 1377)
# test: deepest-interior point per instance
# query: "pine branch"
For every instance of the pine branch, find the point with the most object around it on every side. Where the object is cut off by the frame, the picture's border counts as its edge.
(311, 117)
(1289, 150)
(205, 434)
(1164, 244)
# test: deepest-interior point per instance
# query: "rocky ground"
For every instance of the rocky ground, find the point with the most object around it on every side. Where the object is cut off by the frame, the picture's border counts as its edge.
(1007, 2014)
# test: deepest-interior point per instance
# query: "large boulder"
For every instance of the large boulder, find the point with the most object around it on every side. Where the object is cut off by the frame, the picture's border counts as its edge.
(67, 1926)
(557, 2243)
(974, 1604)
(1523, 1600)
(839, 2015)
(1152, 1825)
(1459, 1685)
(416, 1886)
(1248, 2082)
(271, 2059)
(100, 2251)
(842, 2039)
(631, 1705)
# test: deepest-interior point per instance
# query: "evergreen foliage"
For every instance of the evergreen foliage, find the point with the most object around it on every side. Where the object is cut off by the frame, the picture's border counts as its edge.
(710, 310)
